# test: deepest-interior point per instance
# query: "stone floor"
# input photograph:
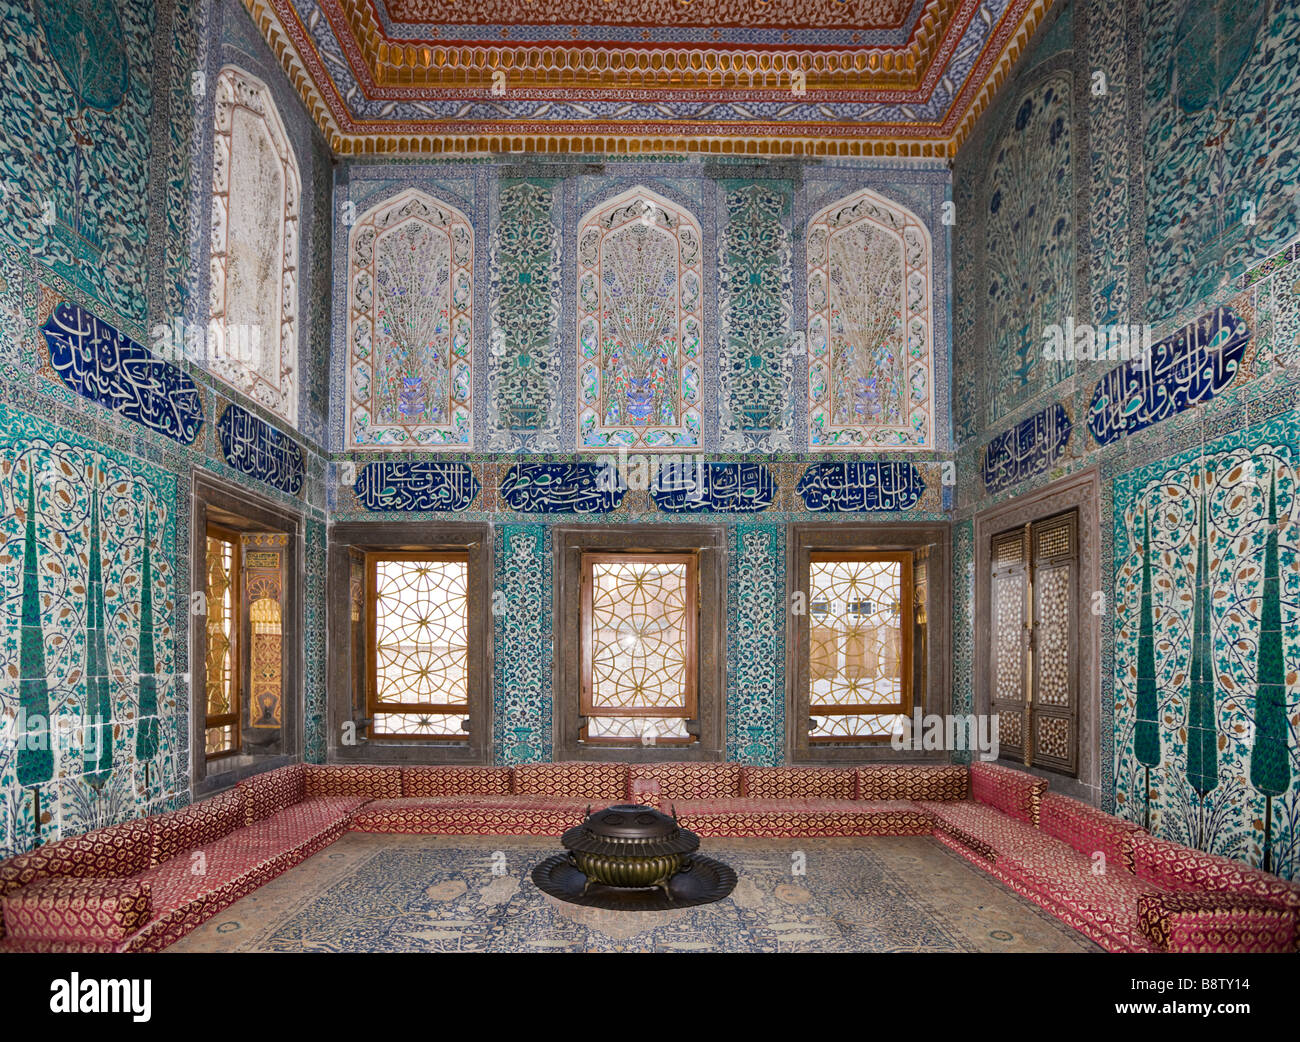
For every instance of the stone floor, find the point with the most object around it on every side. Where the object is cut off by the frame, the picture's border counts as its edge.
(377, 893)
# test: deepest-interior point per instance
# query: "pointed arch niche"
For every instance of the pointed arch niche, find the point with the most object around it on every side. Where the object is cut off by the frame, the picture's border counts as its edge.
(410, 325)
(252, 336)
(870, 326)
(639, 325)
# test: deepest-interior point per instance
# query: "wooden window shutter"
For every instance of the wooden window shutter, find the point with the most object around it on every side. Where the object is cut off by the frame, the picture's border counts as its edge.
(1009, 661)
(1054, 643)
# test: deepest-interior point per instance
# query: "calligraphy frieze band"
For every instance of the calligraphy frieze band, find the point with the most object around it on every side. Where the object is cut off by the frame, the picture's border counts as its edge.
(1028, 448)
(693, 486)
(97, 362)
(563, 488)
(836, 486)
(1183, 370)
(411, 485)
(255, 448)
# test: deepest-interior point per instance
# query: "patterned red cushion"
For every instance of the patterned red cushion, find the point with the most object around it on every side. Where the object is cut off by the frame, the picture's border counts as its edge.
(486, 815)
(1191, 922)
(195, 825)
(371, 782)
(806, 783)
(1087, 829)
(455, 781)
(598, 782)
(117, 850)
(913, 781)
(264, 794)
(1175, 867)
(747, 816)
(984, 829)
(1012, 792)
(659, 784)
(62, 908)
(1048, 872)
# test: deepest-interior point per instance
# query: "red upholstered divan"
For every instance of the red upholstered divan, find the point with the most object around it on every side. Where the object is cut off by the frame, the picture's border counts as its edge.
(1078, 864)
(142, 885)
(540, 799)
(784, 801)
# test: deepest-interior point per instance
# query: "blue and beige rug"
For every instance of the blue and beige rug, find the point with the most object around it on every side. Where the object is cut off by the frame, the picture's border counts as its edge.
(376, 893)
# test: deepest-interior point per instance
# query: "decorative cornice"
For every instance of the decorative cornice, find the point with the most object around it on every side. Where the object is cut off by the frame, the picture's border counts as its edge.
(469, 68)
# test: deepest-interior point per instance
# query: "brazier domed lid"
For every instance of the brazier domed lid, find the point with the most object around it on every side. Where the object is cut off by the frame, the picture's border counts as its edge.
(630, 829)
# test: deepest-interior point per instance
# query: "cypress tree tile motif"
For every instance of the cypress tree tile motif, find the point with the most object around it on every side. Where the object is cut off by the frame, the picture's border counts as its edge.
(87, 574)
(1206, 659)
(1270, 765)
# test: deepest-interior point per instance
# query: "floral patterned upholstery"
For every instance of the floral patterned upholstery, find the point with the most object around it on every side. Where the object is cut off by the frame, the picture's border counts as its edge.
(747, 816)
(1087, 829)
(1012, 792)
(470, 815)
(913, 782)
(97, 911)
(264, 794)
(1174, 867)
(799, 783)
(117, 850)
(373, 783)
(599, 782)
(1198, 922)
(456, 781)
(195, 825)
(659, 784)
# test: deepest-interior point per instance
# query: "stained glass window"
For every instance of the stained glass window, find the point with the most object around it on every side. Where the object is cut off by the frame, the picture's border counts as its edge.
(860, 666)
(419, 645)
(870, 315)
(410, 325)
(222, 661)
(639, 640)
(639, 324)
(252, 337)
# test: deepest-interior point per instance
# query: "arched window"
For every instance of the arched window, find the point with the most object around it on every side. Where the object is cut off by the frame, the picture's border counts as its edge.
(640, 330)
(410, 323)
(252, 336)
(870, 320)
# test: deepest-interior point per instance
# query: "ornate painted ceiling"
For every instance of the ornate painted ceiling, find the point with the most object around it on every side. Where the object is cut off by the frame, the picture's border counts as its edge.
(747, 77)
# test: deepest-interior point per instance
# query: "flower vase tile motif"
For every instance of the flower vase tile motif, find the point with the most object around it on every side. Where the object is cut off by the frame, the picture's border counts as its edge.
(1029, 248)
(254, 263)
(410, 325)
(87, 541)
(1206, 652)
(639, 325)
(871, 327)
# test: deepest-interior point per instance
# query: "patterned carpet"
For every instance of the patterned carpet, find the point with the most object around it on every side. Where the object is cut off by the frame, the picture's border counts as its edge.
(376, 893)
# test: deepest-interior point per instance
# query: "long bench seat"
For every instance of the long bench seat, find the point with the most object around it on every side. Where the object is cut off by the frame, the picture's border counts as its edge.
(141, 885)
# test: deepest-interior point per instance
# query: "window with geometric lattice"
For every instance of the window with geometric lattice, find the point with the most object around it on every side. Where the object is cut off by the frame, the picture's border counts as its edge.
(1033, 659)
(860, 626)
(224, 640)
(417, 662)
(639, 636)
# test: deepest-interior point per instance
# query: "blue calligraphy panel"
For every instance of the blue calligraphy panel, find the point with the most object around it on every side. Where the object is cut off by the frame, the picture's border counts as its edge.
(842, 486)
(1028, 448)
(436, 485)
(692, 486)
(255, 448)
(1183, 370)
(97, 362)
(563, 488)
